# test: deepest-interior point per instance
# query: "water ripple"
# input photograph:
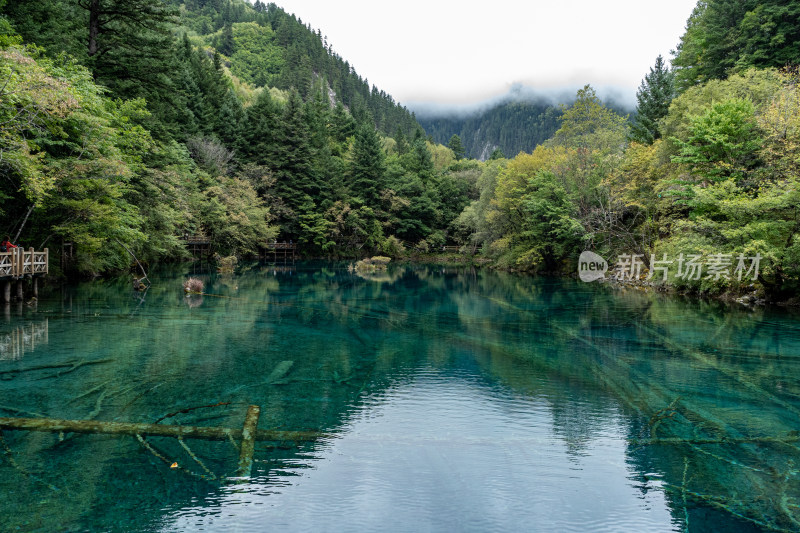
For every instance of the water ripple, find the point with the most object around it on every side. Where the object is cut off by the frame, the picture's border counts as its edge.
(438, 452)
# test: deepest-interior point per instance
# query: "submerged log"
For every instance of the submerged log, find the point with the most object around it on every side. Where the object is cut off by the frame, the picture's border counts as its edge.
(679, 441)
(279, 372)
(248, 440)
(72, 365)
(126, 428)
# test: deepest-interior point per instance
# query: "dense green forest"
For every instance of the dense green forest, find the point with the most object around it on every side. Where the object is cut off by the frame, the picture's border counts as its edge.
(134, 123)
(699, 191)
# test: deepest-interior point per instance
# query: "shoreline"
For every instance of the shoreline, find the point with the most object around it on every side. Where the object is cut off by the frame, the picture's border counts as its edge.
(751, 298)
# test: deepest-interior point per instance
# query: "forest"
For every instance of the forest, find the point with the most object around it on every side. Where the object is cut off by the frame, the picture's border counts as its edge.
(134, 123)
(514, 126)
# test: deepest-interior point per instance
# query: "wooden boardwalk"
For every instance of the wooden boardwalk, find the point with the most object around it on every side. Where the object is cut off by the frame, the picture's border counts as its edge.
(18, 264)
(199, 245)
(279, 251)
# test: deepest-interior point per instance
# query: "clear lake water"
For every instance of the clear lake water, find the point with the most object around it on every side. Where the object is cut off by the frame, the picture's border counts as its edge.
(439, 399)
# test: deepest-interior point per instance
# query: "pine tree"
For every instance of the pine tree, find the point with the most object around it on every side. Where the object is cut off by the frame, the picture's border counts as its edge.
(226, 44)
(497, 153)
(129, 46)
(229, 119)
(318, 116)
(367, 167)
(402, 142)
(291, 162)
(342, 124)
(652, 103)
(258, 138)
(420, 161)
(457, 147)
(728, 36)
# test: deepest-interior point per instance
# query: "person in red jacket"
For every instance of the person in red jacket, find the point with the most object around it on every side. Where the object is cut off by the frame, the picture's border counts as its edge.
(6, 244)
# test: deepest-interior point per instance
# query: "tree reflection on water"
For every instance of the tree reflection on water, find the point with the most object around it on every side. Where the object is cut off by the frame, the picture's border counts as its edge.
(704, 396)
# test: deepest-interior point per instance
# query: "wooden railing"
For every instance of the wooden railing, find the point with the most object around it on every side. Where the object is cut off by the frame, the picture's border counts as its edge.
(431, 249)
(281, 246)
(278, 251)
(198, 238)
(19, 262)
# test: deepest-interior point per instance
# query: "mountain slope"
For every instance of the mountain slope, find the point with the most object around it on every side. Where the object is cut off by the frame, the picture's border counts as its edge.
(512, 127)
(266, 46)
(261, 44)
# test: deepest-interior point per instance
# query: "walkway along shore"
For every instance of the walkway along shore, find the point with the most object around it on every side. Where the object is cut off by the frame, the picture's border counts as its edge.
(18, 264)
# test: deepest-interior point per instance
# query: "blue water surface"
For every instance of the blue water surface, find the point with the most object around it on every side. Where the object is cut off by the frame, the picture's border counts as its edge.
(435, 399)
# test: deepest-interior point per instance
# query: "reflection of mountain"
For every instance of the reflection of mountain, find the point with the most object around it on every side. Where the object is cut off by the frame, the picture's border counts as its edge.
(606, 376)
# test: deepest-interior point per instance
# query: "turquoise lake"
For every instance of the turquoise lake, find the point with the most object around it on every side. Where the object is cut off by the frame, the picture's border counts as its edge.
(438, 399)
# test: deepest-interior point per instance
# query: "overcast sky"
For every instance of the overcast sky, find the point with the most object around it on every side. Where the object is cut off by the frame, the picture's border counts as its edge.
(468, 51)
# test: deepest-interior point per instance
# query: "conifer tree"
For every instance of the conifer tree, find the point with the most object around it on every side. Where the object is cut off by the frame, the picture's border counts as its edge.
(420, 161)
(652, 103)
(129, 46)
(402, 142)
(727, 36)
(291, 162)
(258, 139)
(342, 124)
(226, 43)
(497, 153)
(367, 167)
(229, 118)
(457, 147)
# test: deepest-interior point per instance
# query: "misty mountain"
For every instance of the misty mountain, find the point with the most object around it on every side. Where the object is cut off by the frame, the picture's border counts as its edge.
(517, 122)
(514, 127)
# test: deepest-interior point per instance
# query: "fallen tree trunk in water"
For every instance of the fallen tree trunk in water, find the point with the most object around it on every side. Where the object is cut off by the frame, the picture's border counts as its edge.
(126, 428)
(788, 439)
(72, 365)
(248, 440)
